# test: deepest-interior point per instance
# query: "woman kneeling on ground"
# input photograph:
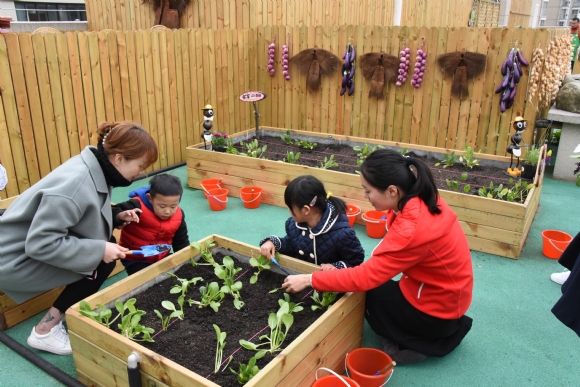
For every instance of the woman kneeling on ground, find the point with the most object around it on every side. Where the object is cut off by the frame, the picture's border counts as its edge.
(56, 232)
(422, 314)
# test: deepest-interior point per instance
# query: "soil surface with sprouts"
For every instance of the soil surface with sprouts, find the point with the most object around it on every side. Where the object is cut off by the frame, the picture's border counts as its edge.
(346, 158)
(191, 342)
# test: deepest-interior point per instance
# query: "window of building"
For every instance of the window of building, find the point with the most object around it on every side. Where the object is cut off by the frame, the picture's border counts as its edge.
(34, 12)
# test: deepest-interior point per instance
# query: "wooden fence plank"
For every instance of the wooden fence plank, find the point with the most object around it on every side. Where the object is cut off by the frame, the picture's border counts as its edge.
(41, 63)
(66, 76)
(56, 96)
(15, 58)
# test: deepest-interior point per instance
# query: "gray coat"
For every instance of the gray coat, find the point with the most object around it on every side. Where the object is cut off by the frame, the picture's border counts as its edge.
(54, 233)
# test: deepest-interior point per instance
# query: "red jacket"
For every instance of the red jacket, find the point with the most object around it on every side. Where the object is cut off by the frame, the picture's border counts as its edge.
(150, 231)
(432, 253)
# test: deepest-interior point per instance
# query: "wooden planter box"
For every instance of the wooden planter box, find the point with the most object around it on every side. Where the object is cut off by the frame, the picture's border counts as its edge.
(12, 313)
(100, 354)
(492, 226)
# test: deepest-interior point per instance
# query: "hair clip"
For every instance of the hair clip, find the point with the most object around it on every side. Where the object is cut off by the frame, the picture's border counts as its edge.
(313, 201)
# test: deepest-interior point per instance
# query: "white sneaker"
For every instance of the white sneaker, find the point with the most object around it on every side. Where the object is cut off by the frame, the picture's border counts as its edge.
(55, 341)
(560, 278)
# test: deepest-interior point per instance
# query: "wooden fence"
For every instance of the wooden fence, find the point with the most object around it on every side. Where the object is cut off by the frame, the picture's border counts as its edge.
(242, 14)
(56, 89)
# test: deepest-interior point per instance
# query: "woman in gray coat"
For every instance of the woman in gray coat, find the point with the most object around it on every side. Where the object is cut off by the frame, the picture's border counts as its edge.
(56, 232)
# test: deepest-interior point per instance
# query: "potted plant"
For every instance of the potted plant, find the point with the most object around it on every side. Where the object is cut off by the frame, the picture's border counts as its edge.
(219, 141)
(530, 162)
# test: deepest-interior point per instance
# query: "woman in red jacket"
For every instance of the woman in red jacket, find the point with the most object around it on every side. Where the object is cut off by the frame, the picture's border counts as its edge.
(422, 314)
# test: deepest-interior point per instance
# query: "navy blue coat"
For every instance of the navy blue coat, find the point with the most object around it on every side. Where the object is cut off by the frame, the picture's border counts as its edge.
(331, 241)
(566, 309)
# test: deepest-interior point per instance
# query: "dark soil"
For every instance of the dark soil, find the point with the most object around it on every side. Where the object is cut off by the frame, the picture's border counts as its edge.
(192, 342)
(346, 158)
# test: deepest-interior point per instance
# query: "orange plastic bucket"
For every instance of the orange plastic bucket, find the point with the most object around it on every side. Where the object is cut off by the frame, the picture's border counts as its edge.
(217, 198)
(376, 223)
(208, 184)
(251, 196)
(554, 242)
(369, 367)
(352, 211)
(334, 380)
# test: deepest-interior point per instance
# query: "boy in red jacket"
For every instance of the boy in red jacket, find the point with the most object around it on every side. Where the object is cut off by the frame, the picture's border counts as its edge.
(422, 314)
(161, 221)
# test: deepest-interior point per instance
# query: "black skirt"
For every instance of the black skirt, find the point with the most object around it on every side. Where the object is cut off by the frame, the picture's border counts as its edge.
(393, 317)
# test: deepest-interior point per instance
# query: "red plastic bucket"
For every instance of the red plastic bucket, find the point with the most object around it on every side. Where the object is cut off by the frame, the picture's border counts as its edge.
(352, 211)
(208, 184)
(554, 242)
(334, 380)
(376, 223)
(251, 196)
(217, 198)
(369, 367)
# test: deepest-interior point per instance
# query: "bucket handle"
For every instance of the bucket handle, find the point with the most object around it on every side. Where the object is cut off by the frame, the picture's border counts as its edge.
(386, 381)
(254, 199)
(214, 197)
(555, 245)
(354, 214)
(334, 373)
(366, 219)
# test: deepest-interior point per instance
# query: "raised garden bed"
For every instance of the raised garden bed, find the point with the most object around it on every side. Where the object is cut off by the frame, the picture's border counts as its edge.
(100, 353)
(493, 226)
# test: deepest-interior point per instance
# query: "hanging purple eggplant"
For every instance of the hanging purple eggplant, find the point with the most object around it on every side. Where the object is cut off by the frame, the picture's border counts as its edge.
(512, 72)
(349, 58)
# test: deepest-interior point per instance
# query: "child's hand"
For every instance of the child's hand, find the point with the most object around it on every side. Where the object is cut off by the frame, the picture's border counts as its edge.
(268, 249)
(113, 252)
(327, 267)
(129, 216)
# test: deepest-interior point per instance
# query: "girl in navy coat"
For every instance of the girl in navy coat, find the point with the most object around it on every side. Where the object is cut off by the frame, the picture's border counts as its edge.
(318, 231)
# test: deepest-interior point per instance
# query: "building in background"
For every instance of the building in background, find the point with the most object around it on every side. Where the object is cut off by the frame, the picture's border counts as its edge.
(31, 14)
(557, 13)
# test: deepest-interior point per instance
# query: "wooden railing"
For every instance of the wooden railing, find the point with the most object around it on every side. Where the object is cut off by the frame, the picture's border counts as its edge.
(56, 89)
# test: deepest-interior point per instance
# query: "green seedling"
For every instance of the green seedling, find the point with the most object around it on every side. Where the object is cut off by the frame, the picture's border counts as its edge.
(253, 149)
(449, 160)
(287, 138)
(227, 273)
(279, 324)
(514, 192)
(175, 314)
(219, 351)
(182, 287)
(101, 314)
(292, 157)
(261, 263)
(249, 370)
(454, 185)
(363, 152)
(211, 295)
(130, 325)
(306, 144)
(468, 159)
(230, 147)
(404, 151)
(323, 302)
(274, 290)
(329, 162)
(206, 256)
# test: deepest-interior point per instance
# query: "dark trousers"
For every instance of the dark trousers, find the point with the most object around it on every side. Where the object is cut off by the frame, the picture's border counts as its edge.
(393, 317)
(84, 287)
